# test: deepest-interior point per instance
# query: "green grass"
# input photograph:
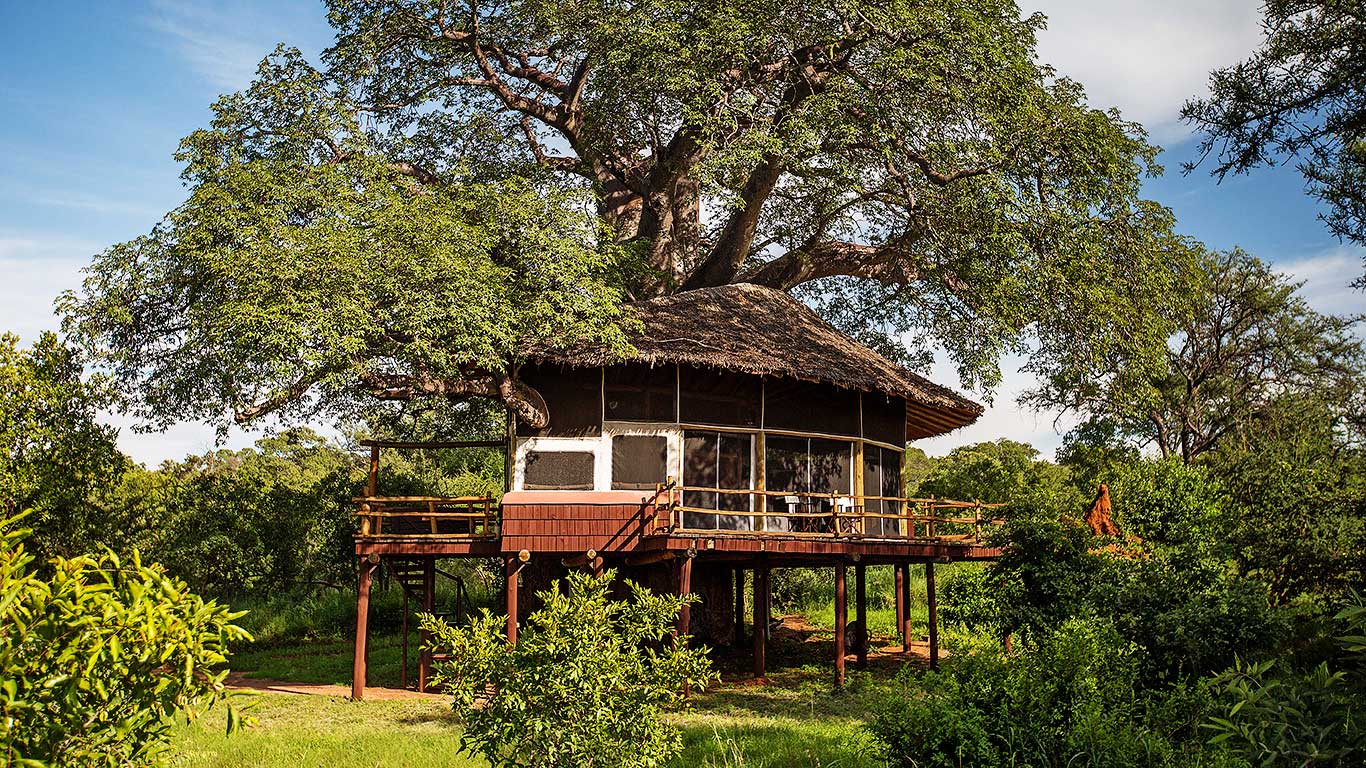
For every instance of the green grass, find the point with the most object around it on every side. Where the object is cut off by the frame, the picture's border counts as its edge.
(794, 721)
(297, 731)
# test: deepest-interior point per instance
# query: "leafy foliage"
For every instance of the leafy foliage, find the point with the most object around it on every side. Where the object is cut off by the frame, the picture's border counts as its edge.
(1071, 698)
(456, 186)
(291, 519)
(56, 459)
(1003, 471)
(305, 274)
(1246, 339)
(585, 685)
(1301, 96)
(96, 660)
(1282, 717)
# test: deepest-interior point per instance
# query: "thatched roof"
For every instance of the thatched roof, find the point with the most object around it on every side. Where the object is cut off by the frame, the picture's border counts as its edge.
(751, 329)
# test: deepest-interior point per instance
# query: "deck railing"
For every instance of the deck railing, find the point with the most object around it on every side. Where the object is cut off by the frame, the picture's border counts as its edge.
(831, 515)
(467, 517)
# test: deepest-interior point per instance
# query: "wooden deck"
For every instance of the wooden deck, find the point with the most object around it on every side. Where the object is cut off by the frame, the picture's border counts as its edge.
(622, 523)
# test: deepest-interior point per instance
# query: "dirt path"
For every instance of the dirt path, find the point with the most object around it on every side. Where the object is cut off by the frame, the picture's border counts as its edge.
(240, 682)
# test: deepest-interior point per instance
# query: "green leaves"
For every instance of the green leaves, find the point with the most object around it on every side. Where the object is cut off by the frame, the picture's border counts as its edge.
(585, 685)
(96, 660)
(307, 271)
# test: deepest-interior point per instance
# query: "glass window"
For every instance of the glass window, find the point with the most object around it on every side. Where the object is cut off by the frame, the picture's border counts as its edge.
(558, 470)
(722, 461)
(639, 462)
(640, 392)
(882, 477)
(806, 466)
(803, 406)
(718, 397)
(573, 397)
(884, 418)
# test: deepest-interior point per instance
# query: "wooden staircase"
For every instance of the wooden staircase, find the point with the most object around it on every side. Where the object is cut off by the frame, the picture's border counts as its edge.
(417, 577)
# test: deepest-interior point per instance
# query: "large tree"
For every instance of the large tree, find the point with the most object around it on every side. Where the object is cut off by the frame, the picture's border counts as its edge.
(461, 180)
(1248, 343)
(1301, 96)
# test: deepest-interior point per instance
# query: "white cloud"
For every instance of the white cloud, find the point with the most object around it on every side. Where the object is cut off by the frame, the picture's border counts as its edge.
(1327, 278)
(1146, 57)
(1004, 418)
(34, 269)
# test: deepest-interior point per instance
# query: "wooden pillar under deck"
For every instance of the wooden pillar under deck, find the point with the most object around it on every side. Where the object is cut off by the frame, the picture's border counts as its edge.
(841, 617)
(511, 567)
(934, 615)
(684, 589)
(900, 581)
(424, 664)
(403, 671)
(367, 575)
(861, 613)
(907, 623)
(760, 630)
(739, 606)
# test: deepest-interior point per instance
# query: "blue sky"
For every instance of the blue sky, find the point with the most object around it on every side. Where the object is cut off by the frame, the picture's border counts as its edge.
(95, 97)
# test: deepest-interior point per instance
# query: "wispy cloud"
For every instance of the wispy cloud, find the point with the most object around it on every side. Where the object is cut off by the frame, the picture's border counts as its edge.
(216, 41)
(1146, 56)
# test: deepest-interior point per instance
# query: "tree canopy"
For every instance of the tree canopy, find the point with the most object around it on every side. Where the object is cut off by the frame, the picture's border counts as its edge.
(1301, 96)
(458, 181)
(1247, 341)
(57, 461)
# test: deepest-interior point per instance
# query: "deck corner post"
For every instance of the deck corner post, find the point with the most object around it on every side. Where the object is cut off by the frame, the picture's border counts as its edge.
(861, 613)
(841, 619)
(684, 589)
(367, 575)
(512, 567)
(933, 605)
(760, 609)
(906, 623)
(899, 586)
(424, 663)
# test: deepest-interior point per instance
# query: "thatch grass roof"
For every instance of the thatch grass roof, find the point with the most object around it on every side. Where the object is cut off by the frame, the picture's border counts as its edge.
(751, 329)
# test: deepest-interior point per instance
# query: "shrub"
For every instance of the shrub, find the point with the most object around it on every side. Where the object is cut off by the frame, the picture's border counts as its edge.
(1069, 698)
(95, 661)
(585, 685)
(1278, 716)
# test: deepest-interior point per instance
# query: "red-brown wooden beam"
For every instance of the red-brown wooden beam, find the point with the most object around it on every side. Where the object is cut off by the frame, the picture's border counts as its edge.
(512, 566)
(934, 615)
(760, 617)
(901, 607)
(841, 616)
(739, 606)
(424, 664)
(909, 623)
(367, 575)
(861, 614)
(684, 589)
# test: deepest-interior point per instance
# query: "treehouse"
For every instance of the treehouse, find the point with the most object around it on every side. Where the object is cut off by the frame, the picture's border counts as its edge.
(744, 434)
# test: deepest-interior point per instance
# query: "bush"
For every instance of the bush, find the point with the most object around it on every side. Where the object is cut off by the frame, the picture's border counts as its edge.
(585, 685)
(1279, 716)
(94, 662)
(1069, 698)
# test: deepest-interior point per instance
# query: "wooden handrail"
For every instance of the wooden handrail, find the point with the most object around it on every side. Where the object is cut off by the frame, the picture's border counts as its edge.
(436, 444)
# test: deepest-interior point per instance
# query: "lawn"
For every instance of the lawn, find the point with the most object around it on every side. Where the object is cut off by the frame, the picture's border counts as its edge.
(795, 720)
